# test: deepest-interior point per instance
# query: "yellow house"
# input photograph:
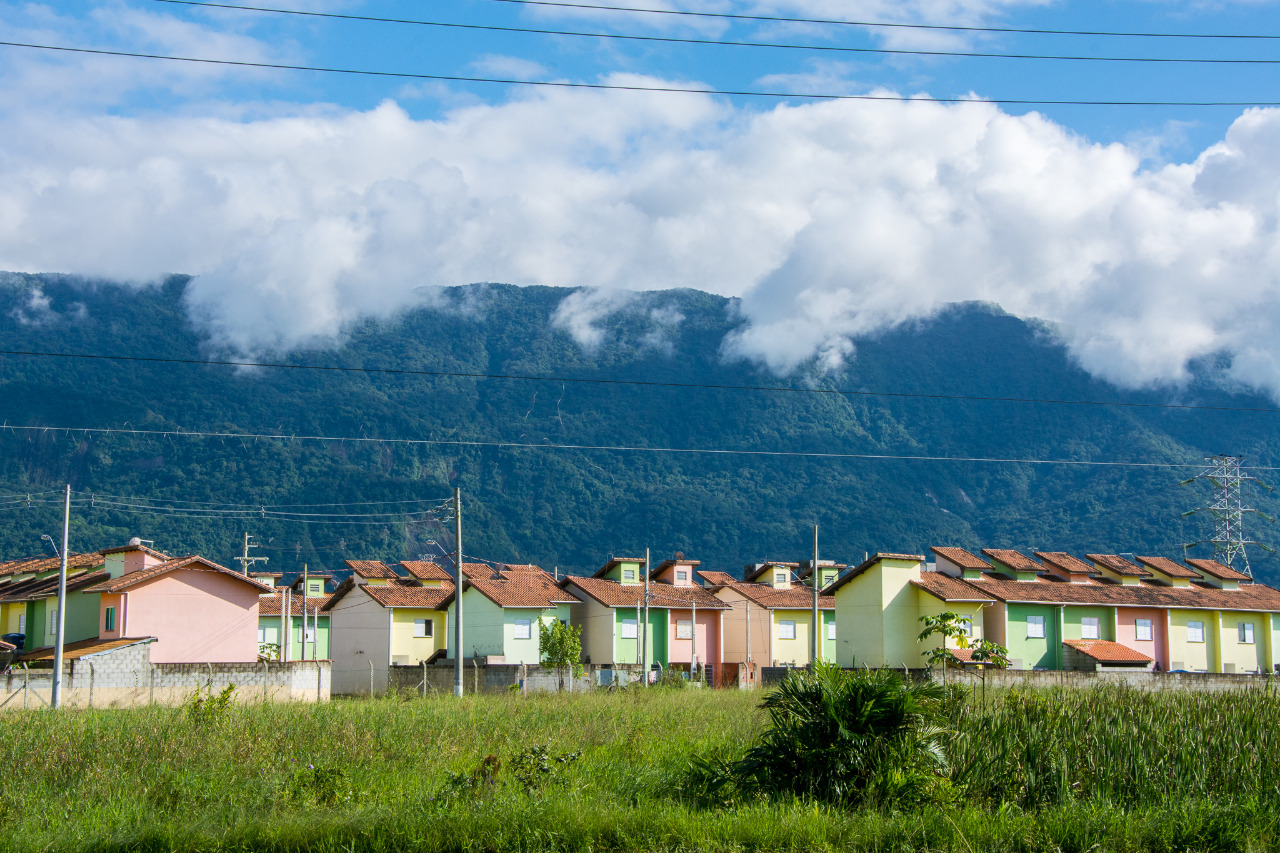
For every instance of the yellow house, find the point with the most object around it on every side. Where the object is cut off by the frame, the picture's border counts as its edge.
(771, 622)
(878, 606)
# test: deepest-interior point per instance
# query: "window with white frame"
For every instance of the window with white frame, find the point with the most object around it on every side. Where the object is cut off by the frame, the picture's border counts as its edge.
(53, 622)
(780, 577)
(831, 630)
(524, 629)
(1195, 632)
(1089, 628)
(1035, 627)
(22, 623)
(787, 629)
(968, 627)
(262, 634)
(684, 629)
(423, 628)
(682, 576)
(1246, 632)
(1142, 629)
(627, 629)
(628, 574)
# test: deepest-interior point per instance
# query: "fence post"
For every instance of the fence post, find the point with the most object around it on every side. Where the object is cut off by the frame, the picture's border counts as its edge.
(370, 679)
(26, 685)
(151, 685)
(424, 679)
(90, 685)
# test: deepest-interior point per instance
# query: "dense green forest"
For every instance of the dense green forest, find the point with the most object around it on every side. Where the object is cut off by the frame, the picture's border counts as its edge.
(572, 508)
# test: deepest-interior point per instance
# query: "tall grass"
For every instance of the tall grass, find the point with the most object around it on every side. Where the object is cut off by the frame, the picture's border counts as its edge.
(1100, 769)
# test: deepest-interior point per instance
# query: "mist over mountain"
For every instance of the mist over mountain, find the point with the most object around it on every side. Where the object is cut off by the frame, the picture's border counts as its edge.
(559, 504)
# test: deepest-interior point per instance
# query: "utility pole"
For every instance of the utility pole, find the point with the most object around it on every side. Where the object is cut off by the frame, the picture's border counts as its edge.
(644, 631)
(56, 699)
(815, 579)
(246, 562)
(1228, 509)
(457, 592)
(304, 611)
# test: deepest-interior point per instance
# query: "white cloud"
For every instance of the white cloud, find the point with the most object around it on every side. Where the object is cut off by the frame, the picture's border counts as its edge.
(829, 220)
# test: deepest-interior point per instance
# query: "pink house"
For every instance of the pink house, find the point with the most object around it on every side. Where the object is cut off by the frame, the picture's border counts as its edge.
(673, 585)
(1143, 629)
(197, 610)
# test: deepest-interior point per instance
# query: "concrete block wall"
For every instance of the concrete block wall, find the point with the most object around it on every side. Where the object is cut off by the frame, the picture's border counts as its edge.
(1141, 679)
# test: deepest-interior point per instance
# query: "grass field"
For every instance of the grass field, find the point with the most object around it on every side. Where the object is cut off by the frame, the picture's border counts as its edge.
(1063, 770)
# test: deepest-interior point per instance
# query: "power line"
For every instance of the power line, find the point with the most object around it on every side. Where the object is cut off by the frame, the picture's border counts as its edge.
(395, 371)
(561, 84)
(887, 25)
(517, 445)
(719, 42)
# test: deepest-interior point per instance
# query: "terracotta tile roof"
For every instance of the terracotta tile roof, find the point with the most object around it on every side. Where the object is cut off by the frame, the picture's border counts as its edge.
(1105, 651)
(1064, 562)
(1119, 565)
(191, 563)
(405, 595)
(38, 588)
(799, 598)
(271, 605)
(143, 548)
(426, 571)
(717, 578)
(947, 588)
(370, 568)
(1015, 560)
(525, 586)
(83, 648)
(961, 558)
(37, 565)
(868, 563)
(1054, 591)
(661, 595)
(1218, 570)
(1165, 566)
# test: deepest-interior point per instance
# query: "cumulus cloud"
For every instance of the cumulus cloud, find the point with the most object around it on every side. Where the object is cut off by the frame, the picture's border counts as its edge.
(829, 220)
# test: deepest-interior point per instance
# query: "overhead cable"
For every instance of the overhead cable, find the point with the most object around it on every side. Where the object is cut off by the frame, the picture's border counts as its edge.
(720, 42)
(563, 84)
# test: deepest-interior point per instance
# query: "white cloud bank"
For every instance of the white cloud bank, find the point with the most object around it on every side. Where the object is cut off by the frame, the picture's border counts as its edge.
(829, 220)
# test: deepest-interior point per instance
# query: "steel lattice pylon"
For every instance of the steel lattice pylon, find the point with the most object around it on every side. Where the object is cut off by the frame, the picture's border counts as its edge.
(1228, 510)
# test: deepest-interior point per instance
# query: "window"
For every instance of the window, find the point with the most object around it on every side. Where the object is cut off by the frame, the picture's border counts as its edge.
(968, 627)
(311, 634)
(1195, 632)
(22, 623)
(780, 577)
(313, 588)
(787, 629)
(423, 628)
(1246, 632)
(1089, 628)
(628, 574)
(262, 633)
(109, 622)
(53, 622)
(1035, 626)
(628, 628)
(684, 629)
(831, 630)
(524, 629)
(1142, 629)
(681, 576)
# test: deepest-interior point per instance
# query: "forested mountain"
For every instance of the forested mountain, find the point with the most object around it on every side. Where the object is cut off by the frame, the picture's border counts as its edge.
(572, 508)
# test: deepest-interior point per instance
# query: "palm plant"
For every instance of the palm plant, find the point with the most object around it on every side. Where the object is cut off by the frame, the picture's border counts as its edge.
(849, 738)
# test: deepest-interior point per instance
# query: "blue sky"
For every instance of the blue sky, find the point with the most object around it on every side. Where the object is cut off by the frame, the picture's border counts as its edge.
(303, 201)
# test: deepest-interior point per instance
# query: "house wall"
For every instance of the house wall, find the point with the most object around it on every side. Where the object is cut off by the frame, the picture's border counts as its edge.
(627, 651)
(734, 627)
(407, 649)
(860, 620)
(196, 616)
(1241, 657)
(706, 633)
(81, 622)
(360, 637)
(596, 622)
(829, 642)
(483, 625)
(1032, 652)
(1072, 624)
(1127, 632)
(118, 602)
(12, 617)
(1196, 657)
(527, 650)
(791, 652)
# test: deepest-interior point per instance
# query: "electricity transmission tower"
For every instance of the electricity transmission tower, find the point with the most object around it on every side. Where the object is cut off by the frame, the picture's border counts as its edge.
(1228, 510)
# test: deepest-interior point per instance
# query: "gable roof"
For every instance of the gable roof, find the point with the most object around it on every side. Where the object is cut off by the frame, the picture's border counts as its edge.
(39, 588)
(370, 568)
(424, 571)
(1073, 565)
(1119, 565)
(961, 558)
(519, 586)
(143, 548)
(797, 598)
(1106, 651)
(947, 588)
(410, 595)
(1015, 560)
(272, 605)
(1199, 596)
(1218, 570)
(717, 578)
(37, 565)
(868, 563)
(661, 595)
(190, 563)
(1165, 566)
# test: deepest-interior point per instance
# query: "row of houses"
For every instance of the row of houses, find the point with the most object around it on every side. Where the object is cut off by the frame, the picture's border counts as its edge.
(1052, 610)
